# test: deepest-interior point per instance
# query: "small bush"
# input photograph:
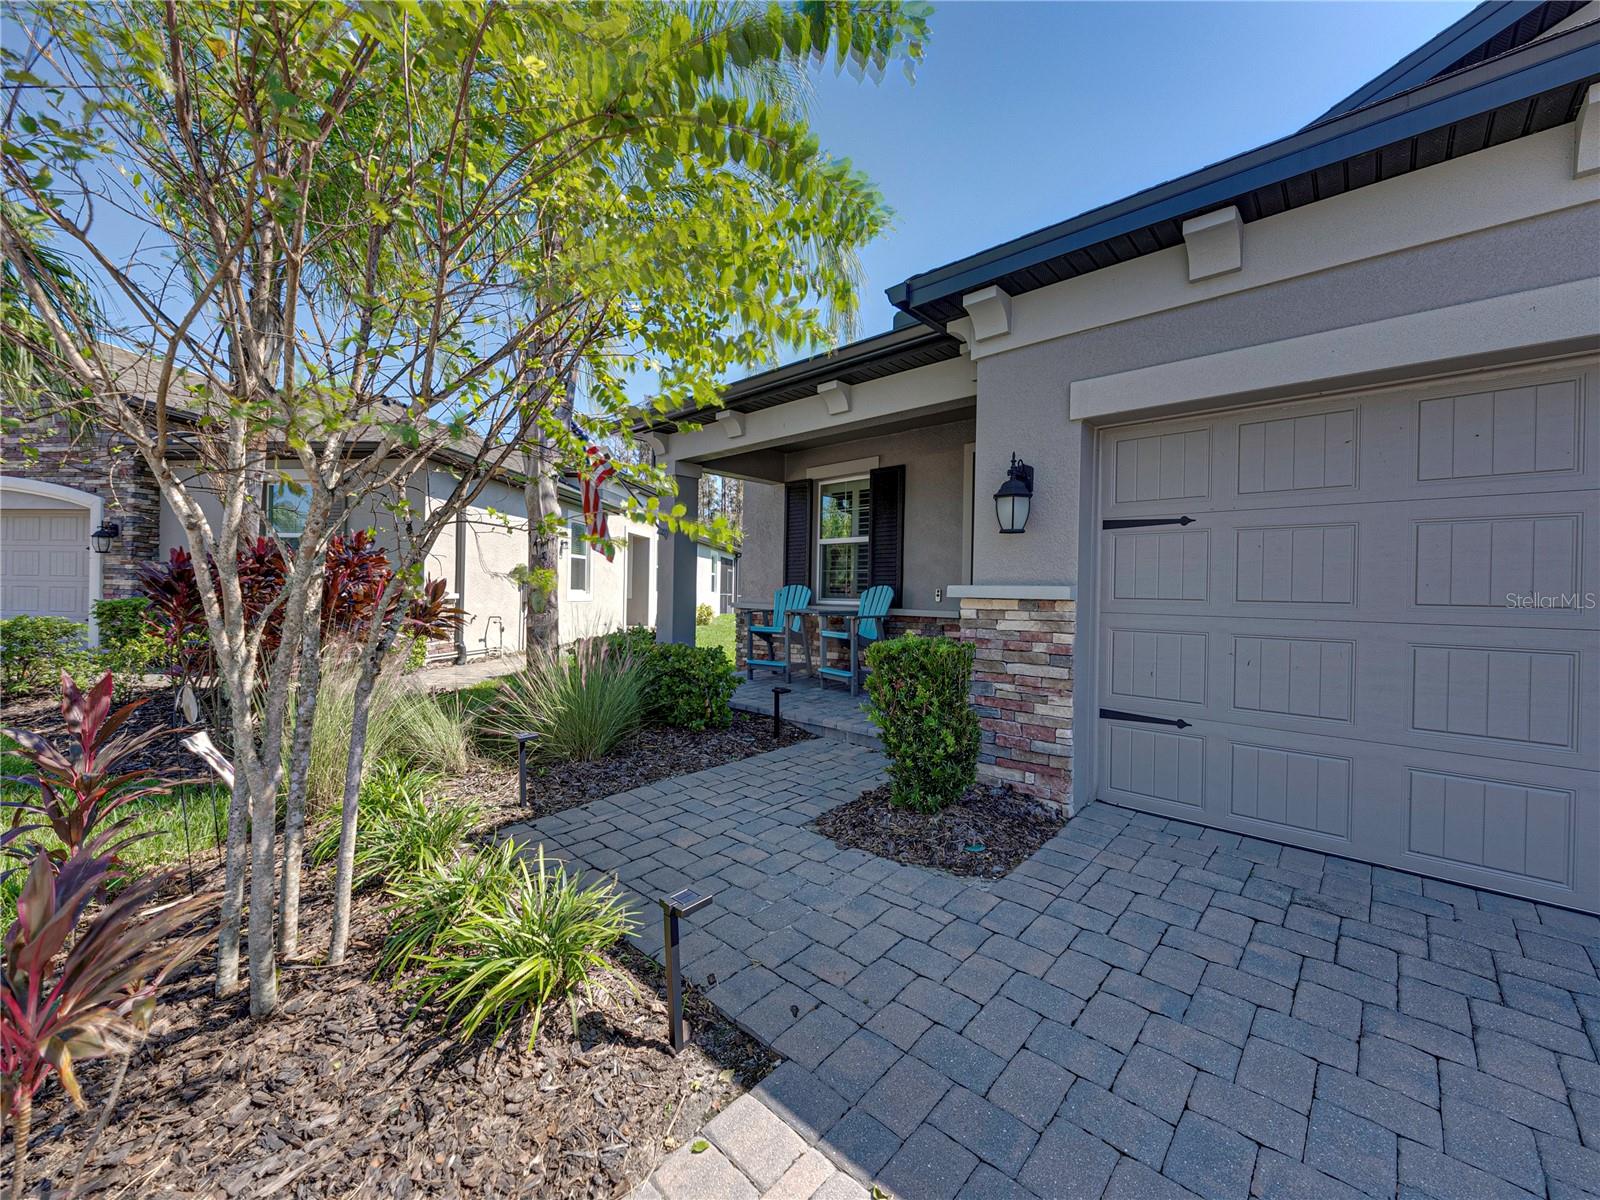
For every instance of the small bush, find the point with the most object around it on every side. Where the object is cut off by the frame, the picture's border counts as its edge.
(130, 647)
(402, 831)
(918, 687)
(637, 642)
(581, 701)
(35, 650)
(703, 614)
(122, 621)
(427, 903)
(690, 686)
(515, 951)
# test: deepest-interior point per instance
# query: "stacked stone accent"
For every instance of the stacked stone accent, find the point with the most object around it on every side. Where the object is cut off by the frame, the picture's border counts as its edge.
(1022, 689)
(95, 460)
(943, 626)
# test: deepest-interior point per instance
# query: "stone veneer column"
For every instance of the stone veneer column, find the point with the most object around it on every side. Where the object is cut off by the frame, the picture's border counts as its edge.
(1022, 689)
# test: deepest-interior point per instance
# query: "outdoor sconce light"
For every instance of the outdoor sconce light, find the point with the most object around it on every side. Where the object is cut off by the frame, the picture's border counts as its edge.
(522, 767)
(1015, 497)
(778, 693)
(103, 537)
(680, 904)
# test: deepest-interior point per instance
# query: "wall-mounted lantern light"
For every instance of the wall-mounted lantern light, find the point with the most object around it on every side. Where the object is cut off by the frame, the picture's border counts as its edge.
(102, 538)
(1015, 497)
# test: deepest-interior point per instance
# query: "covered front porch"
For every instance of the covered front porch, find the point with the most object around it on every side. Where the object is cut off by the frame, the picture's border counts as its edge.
(857, 468)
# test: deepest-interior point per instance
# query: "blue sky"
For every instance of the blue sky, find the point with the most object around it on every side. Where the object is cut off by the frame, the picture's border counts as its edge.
(1024, 114)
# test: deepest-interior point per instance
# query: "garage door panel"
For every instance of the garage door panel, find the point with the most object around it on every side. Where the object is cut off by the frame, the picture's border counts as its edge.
(1338, 628)
(44, 563)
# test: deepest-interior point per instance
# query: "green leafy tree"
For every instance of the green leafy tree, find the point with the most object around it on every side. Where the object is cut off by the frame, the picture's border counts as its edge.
(390, 246)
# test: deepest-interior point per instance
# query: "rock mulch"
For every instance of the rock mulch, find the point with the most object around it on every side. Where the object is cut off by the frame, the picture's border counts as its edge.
(340, 1094)
(652, 754)
(988, 832)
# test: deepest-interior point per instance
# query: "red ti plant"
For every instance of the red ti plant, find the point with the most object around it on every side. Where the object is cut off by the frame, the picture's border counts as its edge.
(430, 615)
(79, 796)
(66, 998)
(173, 590)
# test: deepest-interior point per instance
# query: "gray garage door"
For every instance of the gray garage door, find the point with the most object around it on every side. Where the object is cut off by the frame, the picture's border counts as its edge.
(44, 563)
(1373, 632)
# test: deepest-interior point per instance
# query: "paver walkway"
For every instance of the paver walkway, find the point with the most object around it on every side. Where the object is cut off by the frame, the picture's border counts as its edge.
(1144, 1009)
(823, 709)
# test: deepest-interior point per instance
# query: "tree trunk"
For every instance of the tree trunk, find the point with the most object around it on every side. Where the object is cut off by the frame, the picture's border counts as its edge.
(349, 809)
(542, 610)
(232, 908)
(294, 819)
(263, 883)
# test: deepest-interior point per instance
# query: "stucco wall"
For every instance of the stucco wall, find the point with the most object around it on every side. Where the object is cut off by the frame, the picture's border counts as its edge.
(1022, 394)
(761, 553)
(934, 515)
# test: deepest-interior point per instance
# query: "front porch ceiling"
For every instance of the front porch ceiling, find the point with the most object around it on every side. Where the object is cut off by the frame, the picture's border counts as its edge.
(753, 444)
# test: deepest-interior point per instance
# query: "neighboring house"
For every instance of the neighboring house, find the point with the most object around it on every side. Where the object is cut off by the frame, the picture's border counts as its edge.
(81, 480)
(715, 572)
(1312, 552)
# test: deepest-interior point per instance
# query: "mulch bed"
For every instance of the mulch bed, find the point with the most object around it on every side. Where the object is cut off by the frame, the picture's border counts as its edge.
(653, 753)
(988, 832)
(337, 1095)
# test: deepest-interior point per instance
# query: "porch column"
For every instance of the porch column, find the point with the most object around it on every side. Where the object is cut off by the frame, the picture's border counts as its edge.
(675, 579)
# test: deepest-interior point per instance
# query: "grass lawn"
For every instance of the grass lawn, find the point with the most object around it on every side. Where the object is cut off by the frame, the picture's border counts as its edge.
(718, 633)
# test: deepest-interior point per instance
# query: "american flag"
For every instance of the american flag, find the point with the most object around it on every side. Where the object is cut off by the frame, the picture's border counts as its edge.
(599, 470)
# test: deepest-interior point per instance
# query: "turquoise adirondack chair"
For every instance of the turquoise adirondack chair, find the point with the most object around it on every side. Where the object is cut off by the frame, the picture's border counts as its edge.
(787, 603)
(862, 628)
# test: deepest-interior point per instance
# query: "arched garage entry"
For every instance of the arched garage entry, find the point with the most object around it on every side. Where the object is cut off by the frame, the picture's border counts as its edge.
(46, 565)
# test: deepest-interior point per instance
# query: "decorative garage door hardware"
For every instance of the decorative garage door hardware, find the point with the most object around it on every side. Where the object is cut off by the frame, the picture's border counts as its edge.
(1146, 522)
(1112, 714)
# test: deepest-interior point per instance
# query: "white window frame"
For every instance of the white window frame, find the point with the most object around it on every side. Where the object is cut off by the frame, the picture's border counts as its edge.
(578, 550)
(856, 540)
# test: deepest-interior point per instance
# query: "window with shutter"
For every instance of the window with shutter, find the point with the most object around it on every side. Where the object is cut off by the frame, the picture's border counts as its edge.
(886, 528)
(797, 532)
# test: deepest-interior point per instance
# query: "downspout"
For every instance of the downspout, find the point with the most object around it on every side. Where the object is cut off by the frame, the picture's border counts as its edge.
(461, 584)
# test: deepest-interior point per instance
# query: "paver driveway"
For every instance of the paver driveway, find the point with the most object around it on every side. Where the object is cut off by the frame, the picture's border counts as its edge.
(1145, 1008)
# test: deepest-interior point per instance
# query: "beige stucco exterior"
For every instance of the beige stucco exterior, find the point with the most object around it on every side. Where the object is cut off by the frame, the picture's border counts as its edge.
(496, 530)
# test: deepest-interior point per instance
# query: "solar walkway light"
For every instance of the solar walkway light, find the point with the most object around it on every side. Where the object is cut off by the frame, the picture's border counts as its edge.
(778, 693)
(522, 767)
(680, 904)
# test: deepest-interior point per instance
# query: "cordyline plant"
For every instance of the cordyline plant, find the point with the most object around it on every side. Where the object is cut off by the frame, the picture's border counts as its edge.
(81, 793)
(383, 248)
(71, 993)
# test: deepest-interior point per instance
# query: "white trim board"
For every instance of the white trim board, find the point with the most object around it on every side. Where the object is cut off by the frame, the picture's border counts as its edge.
(1546, 320)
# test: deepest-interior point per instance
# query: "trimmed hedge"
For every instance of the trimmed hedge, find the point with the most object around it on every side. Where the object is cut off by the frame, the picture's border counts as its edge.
(686, 686)
(918, 687)
(35, 650)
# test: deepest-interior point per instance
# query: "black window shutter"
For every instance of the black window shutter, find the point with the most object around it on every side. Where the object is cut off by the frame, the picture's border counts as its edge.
(797, 532)
(887, 550)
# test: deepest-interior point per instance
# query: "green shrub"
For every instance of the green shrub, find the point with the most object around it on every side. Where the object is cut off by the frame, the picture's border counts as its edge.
(515, 951)
(703, 614)
(636, 641)
(690, 686)
(402, 830)
(130, 648)
(425, 904)
(35, 650)
(122, 621)
(417, 654)
(918, 687)
(581, 701)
